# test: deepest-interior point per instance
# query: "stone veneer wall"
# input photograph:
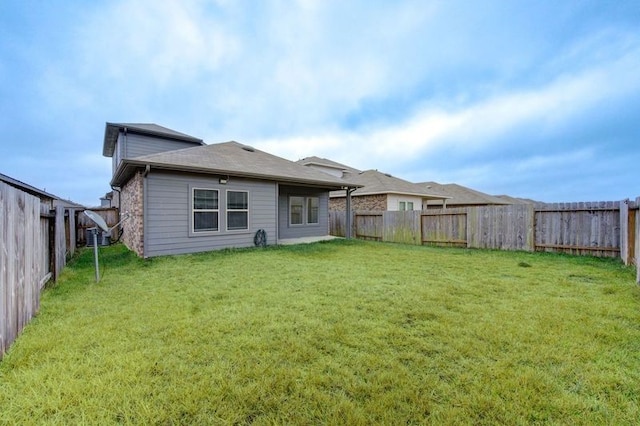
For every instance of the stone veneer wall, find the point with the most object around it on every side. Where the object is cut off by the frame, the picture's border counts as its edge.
(131, 200)
(377, 202)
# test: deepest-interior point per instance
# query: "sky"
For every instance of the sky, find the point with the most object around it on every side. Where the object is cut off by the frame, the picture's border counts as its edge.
(534, 99)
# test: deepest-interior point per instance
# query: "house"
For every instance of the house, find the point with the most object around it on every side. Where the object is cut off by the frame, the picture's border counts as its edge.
(460, 196)
(184, 196)
(379, 191)
(516, 200)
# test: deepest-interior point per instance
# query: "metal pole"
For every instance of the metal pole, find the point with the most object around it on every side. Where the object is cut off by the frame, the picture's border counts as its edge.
(95, 253)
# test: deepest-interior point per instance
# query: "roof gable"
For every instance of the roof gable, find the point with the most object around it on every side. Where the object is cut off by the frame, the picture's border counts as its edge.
(112, 130)
(371, 181)
(311, 161)
(375, 182)
(462, 195)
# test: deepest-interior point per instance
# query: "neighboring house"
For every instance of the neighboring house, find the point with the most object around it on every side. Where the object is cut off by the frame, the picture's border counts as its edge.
(184, 196)
(379, 191)
(460, 196)
(328, 166)
(516, 200)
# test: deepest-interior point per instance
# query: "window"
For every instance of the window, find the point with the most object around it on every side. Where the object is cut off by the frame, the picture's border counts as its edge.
(205, 210)
(304, 210)
(405, 205)
(237, 210)
(296, 207)
(313, 204)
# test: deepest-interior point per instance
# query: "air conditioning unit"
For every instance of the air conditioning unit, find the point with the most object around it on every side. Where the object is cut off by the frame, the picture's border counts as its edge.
(104, 238)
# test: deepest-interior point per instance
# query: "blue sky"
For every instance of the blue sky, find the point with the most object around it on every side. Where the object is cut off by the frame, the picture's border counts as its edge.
(537, 99)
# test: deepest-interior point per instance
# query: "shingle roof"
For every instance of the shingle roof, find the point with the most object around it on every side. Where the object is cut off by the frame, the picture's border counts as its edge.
(232, 159)
(307, 161)
(375, 182)
(113, 129)
(461, 195)
(516, 200)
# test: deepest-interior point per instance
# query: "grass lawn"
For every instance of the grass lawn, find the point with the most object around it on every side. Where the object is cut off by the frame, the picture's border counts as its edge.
(341, 332)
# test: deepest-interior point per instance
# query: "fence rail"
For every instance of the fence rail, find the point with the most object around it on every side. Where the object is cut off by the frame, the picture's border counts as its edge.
(604, 229)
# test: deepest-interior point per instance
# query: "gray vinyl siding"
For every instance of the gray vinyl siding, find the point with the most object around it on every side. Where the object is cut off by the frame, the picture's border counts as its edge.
(133, 145)
(137, 145)
(168, 213)
(117, 155)
(285, 230)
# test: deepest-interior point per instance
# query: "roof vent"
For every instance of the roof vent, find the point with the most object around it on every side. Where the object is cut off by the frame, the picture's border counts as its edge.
(248, 148)
(388, 175)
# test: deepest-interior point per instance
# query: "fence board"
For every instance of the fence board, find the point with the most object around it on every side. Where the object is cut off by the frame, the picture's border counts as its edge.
(21, 261)
(501, 227)
(401, 227)
(4, 270)
(369, 225)
(338, 223)
(444, 227)
(636, 242)
(590, 228)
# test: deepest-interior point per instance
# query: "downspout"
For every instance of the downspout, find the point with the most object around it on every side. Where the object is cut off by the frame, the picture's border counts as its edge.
(277, 236)
(119, 191)
(349, 213)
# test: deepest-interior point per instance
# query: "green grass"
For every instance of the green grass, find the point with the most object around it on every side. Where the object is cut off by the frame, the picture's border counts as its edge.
(343, 332)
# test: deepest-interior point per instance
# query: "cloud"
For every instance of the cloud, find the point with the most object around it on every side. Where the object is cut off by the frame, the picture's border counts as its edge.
(475, 126)
(160, 43)
(398, 86)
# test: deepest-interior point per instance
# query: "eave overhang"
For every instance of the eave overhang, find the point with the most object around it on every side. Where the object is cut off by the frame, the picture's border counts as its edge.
(128, 168)
(410, 194)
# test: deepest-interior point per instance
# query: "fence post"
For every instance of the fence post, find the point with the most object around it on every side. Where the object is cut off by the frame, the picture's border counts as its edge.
(624, 231)
(60, 242)
(72, 231)
(349, 215)
(637, 238)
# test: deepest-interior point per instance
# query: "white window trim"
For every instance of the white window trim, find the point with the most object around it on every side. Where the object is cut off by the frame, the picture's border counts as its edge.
(192, 209)
(227, 210)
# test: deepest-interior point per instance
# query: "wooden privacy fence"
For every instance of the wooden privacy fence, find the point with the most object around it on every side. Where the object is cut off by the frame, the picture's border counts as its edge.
(32, 251)
(35, 242)
(604, 229)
